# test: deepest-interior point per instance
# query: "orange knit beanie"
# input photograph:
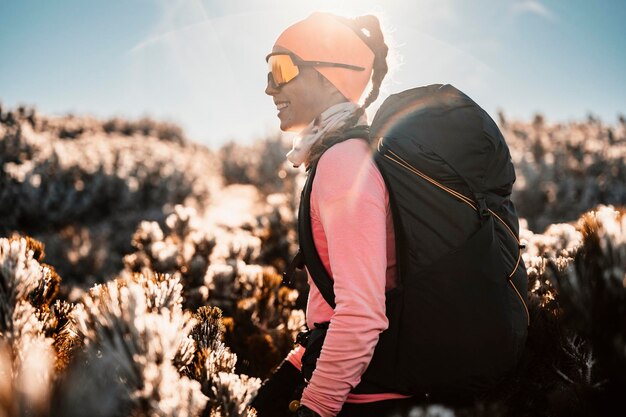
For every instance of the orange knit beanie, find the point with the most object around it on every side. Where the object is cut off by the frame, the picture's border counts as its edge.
(323, 37)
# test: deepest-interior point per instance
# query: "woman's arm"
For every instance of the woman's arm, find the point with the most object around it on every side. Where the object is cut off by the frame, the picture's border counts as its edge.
(349, 201)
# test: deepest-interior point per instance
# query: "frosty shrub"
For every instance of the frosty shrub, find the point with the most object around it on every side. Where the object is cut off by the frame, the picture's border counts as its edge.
(84, 197)
(72, 127)
(218, 267)
(128, 349)
(276, 227)
(431, 411)
(36, 339)
(179, 248)
(592, 292)
(565, 169)
(262, 164)
(264, 324)
(149, 357)
(233, 392)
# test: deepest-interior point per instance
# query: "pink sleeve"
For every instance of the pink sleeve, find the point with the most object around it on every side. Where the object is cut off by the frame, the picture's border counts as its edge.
(295, 357)
(350, 197)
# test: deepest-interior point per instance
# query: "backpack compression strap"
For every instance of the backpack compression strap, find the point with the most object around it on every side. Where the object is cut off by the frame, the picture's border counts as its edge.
(307, 255)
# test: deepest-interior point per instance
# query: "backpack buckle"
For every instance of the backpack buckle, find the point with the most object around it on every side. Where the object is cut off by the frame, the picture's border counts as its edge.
(302, 338)
(297, 262)
(483, 209)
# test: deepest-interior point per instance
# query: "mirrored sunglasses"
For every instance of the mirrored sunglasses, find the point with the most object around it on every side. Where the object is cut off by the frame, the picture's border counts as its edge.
(284, 67)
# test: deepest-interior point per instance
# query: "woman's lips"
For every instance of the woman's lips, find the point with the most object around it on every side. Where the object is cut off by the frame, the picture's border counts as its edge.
(281, 105)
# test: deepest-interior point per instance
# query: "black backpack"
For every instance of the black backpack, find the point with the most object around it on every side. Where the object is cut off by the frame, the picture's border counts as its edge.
(458, 317)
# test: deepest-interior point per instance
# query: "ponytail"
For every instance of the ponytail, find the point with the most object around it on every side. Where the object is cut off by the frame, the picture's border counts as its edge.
(368, 28)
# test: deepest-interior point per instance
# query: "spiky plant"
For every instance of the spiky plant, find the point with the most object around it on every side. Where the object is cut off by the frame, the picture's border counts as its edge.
(132, 331)
(213, 365)
(180, 248)
(264, 324)
(35, 340)
(266, 321)
(210, 356)
(234, 392)
(592, 293)
(152, 357)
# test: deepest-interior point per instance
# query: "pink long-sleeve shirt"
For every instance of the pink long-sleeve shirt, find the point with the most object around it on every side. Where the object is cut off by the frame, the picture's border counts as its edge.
(353, 234)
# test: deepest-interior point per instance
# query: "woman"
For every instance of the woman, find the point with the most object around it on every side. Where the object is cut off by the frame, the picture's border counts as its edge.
(319, 69)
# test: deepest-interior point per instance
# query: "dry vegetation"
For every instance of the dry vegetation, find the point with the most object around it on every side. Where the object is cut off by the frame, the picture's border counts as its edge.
(82, 187)
(564, 169)
(162, 307)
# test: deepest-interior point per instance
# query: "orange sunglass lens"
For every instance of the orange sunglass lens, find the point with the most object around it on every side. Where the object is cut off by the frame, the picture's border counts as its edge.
(282, 68)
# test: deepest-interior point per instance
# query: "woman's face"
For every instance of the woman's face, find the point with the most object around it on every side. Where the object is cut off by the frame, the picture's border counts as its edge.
(302, 99)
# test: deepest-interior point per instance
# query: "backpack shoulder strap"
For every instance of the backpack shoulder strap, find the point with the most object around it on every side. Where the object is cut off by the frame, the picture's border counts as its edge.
(311, 258)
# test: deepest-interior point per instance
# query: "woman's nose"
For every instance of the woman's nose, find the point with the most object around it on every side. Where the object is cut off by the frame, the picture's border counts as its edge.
(270, 90)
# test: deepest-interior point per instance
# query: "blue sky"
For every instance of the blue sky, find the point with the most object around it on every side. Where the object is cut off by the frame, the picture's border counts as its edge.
(201, 63)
